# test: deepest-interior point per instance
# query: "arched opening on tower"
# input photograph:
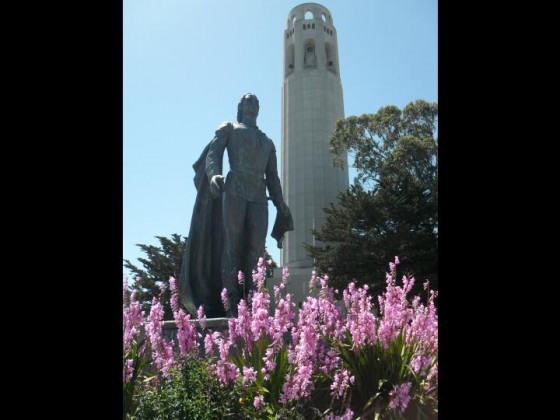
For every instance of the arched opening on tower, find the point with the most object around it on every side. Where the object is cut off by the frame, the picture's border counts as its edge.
(331, 59)
(323, 17)
(308, 15)
(290, 57)
(310, 59)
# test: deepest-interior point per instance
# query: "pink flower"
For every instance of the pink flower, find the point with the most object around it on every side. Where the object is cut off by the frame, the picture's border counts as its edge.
(241, 278)
(282, 321)
(225, 299)
(243, 326)
(313, 281)
(129, 370)
(260, 322)
(259, 400)
(269, 363)
(285, 275)
(210, 341)
(341, 382)
(400, 397)
(433, 373)
(201, 317)
(133, 318)
(420, 362)
(249, 375)
(162, 352)
(259, 275)
(174, 294)
(348, 415)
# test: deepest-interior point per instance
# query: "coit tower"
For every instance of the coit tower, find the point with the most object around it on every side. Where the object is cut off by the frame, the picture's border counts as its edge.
(311, 103)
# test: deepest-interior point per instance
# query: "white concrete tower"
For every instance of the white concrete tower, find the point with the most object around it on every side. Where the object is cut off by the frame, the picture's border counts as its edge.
(311, 103)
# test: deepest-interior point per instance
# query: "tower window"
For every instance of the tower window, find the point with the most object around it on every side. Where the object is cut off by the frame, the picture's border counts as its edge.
(312, 26)
(290, 58)
(329, 52)
(323, 17)
(304, 26)
(309, 60)
(308, 15)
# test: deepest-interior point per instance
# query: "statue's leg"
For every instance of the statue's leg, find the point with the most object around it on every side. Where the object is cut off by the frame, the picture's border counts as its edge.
(234, 209)
(257, 226)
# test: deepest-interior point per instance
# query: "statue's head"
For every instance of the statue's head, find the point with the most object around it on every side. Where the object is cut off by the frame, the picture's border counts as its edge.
(248, 100)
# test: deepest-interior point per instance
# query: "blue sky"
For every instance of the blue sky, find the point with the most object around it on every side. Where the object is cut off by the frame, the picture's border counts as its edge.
(186, 64)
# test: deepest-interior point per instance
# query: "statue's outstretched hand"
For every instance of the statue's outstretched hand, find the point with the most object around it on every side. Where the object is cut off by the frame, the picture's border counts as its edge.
(217, 185)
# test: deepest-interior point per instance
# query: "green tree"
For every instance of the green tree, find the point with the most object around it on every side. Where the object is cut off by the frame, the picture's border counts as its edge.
(160, 264)
(392, 208)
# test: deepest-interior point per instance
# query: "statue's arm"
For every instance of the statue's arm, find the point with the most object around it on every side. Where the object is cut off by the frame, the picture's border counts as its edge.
(216, 151)
(273, 181)
(214, 159)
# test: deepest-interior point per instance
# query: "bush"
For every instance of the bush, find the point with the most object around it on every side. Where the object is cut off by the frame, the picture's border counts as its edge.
(191, 392)
(386, 362)
(341, 359)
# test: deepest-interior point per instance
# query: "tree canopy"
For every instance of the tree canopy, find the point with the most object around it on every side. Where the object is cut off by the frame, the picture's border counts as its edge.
(392, 208)
(160, 264)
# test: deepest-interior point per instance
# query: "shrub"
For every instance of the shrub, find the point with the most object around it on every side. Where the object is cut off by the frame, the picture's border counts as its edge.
(390, 360)
(191, 392)
(341, 359)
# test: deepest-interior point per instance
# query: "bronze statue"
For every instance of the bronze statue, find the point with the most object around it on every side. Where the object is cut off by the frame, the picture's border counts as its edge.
(230, 216)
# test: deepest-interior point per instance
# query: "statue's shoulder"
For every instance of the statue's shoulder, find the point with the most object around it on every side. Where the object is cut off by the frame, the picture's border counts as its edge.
(224, 127)
(267, 139)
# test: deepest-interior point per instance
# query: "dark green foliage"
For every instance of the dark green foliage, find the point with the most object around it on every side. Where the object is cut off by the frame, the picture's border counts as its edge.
(191, 393)
(392, 208)
(160, 264)
(269, 268)
(195, 393)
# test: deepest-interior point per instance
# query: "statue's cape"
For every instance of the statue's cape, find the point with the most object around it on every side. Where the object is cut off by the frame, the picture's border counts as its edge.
(200, 277)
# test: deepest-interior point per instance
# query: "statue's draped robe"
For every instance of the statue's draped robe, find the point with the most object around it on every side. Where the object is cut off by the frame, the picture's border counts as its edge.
(200, 280)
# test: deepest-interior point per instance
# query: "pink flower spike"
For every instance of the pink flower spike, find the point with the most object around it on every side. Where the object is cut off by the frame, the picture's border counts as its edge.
(259, 399)
(241, 278)
(201, 317)
(225, 299)
(399, 397)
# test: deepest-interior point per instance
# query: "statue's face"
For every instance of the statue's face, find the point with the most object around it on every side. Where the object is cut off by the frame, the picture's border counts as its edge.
(250, 106)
